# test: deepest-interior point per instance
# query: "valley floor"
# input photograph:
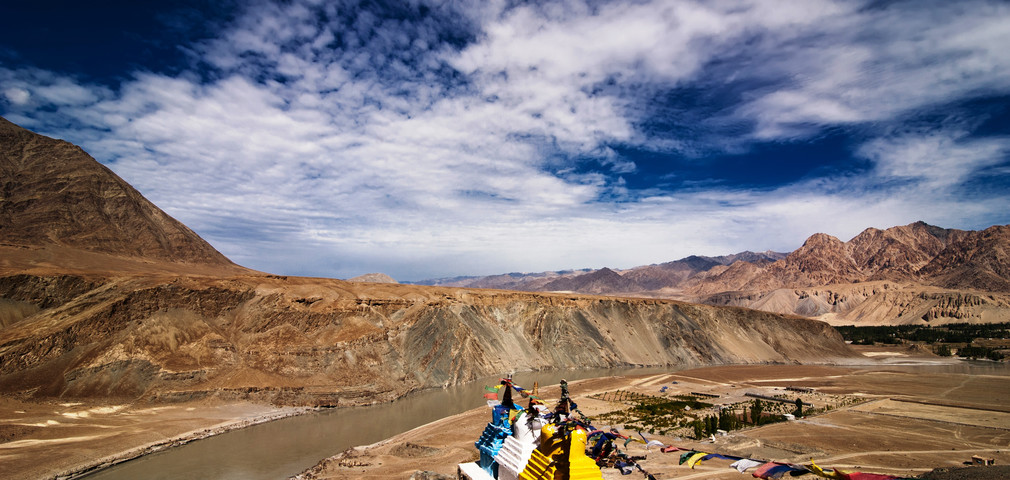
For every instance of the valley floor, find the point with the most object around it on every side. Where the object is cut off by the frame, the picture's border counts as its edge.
(890, 420)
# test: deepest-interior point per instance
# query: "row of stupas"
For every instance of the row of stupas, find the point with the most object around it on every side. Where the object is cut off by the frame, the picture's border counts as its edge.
(532, 443)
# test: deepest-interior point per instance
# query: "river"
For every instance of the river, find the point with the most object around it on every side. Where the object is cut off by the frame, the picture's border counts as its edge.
(282, 448)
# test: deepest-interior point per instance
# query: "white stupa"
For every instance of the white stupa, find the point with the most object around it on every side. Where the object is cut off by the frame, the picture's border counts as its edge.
(516, 450)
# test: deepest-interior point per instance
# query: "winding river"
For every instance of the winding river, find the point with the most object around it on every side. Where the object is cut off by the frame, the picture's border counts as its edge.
(282, 448)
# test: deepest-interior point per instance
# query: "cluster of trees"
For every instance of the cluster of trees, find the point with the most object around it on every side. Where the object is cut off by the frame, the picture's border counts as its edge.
(654, 414)
(975, 352)
(970, 351)
(949, 333)
(728, 419)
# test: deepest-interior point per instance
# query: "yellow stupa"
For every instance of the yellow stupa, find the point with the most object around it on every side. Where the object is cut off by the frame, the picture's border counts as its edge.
(561, 457)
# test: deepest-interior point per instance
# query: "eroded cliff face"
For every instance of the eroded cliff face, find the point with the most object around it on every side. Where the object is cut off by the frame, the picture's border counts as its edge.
(328, 342)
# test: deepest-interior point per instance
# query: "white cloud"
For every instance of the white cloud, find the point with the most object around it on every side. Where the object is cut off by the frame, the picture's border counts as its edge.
(305, 154)
(876, 64)
(936, 158)
(17, 96)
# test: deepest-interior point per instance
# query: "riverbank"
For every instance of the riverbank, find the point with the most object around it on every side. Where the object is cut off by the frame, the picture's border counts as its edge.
(904, 415)
(66, 440)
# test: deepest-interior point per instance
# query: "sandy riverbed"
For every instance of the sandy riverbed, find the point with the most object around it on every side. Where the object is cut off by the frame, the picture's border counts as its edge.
(44, 440)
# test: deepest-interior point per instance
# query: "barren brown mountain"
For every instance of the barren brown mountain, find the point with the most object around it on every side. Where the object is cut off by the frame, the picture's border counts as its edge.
(603, 280)
(914, 273)
(53, 194)
(979, 260)
(103, 295)
(896, 254)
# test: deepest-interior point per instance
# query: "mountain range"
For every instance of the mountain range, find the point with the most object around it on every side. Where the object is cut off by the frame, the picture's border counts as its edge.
(103, 295)
(904, 274)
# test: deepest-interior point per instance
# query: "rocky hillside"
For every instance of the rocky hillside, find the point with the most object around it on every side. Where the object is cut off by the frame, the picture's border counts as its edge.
(53, 194)
(312, 341)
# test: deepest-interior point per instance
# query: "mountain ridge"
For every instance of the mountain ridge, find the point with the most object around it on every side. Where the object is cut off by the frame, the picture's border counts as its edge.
(916, 259)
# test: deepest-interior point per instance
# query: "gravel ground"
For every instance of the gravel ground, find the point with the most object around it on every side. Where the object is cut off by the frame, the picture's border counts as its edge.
(992, 472)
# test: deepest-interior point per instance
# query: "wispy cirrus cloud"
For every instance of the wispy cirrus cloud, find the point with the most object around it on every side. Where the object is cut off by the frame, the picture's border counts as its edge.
(429, 139)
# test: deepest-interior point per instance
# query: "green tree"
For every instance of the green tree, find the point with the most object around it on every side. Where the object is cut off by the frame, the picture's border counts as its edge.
(756, 410)
(698, 429)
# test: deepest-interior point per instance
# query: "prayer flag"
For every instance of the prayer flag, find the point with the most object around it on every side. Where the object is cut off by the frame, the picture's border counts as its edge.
(763, 469)
(835, 473)
(743, 464)
(696, 459)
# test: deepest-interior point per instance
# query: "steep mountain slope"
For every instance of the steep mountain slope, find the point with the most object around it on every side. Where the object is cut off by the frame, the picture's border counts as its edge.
(875, 303)
(52, 193)
(979, 260)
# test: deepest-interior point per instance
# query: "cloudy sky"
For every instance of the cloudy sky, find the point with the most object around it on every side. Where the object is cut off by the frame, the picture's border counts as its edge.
(430, 139)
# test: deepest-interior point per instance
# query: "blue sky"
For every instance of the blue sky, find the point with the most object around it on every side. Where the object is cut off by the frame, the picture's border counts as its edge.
(430, 139)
